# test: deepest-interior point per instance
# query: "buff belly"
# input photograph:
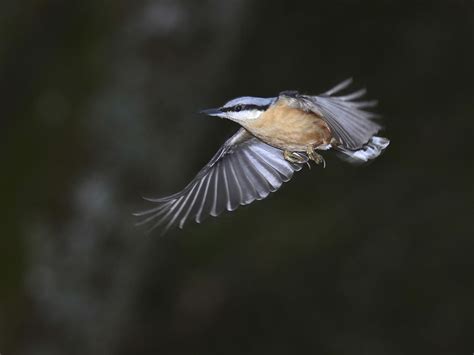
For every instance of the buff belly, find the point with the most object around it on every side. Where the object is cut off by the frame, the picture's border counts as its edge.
(289, 128)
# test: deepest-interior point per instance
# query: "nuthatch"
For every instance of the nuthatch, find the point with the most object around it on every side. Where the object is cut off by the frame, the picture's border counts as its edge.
(278, 136)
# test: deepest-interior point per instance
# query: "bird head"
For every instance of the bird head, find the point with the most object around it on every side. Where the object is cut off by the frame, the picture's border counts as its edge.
(241, 109)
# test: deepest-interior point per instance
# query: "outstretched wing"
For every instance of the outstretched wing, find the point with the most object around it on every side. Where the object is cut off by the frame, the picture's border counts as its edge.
(243, 170)
(350, 124)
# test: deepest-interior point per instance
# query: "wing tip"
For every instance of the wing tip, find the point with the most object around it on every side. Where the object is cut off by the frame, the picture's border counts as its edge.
(341, 86)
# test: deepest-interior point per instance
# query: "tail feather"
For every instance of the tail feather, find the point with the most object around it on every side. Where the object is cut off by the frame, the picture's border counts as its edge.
(369, 151)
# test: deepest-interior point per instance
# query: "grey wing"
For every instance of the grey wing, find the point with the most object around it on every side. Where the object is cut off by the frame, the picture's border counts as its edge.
(350, 124)
(243, 170)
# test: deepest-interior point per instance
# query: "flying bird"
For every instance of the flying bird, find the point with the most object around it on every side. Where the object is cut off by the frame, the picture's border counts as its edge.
(278, 136)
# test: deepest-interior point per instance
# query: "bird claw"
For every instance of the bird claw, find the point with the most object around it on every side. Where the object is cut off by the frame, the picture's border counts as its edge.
(317, 158)
(294, 157)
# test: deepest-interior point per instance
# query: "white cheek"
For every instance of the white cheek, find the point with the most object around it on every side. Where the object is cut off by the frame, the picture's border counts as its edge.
(245, 115)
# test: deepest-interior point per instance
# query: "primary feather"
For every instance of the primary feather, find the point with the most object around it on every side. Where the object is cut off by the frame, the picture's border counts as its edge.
(243, 170)
(350, 124)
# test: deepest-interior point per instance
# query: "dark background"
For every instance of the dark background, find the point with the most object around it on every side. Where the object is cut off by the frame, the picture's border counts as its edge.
(99, 102)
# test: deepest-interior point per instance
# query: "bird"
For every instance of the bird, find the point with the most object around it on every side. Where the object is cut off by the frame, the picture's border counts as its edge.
(277, 137)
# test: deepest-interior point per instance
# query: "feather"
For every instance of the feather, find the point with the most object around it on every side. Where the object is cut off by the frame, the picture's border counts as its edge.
(243, 170)
(349, 123)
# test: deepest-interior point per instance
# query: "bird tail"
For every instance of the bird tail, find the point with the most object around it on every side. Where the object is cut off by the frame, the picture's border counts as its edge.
(371, 150)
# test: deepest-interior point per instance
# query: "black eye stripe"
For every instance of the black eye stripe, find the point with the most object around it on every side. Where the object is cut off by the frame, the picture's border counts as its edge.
(241, 107)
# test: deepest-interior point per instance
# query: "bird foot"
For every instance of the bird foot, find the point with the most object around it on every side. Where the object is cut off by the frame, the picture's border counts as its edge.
(317, 158)
(294, 157)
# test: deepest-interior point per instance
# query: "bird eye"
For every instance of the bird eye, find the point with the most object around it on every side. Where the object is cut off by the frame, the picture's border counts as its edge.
(238, 108)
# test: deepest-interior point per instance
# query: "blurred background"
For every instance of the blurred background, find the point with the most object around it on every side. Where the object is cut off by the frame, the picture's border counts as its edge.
(99, 107)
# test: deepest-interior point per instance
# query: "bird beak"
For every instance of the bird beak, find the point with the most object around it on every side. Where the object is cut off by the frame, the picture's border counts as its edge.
(211, 112)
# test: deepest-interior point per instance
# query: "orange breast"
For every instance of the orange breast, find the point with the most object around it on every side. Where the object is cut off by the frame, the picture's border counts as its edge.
(289, 128)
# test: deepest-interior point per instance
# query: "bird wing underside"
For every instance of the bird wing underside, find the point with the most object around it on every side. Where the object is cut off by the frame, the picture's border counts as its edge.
(350, 124)
(243, 170)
